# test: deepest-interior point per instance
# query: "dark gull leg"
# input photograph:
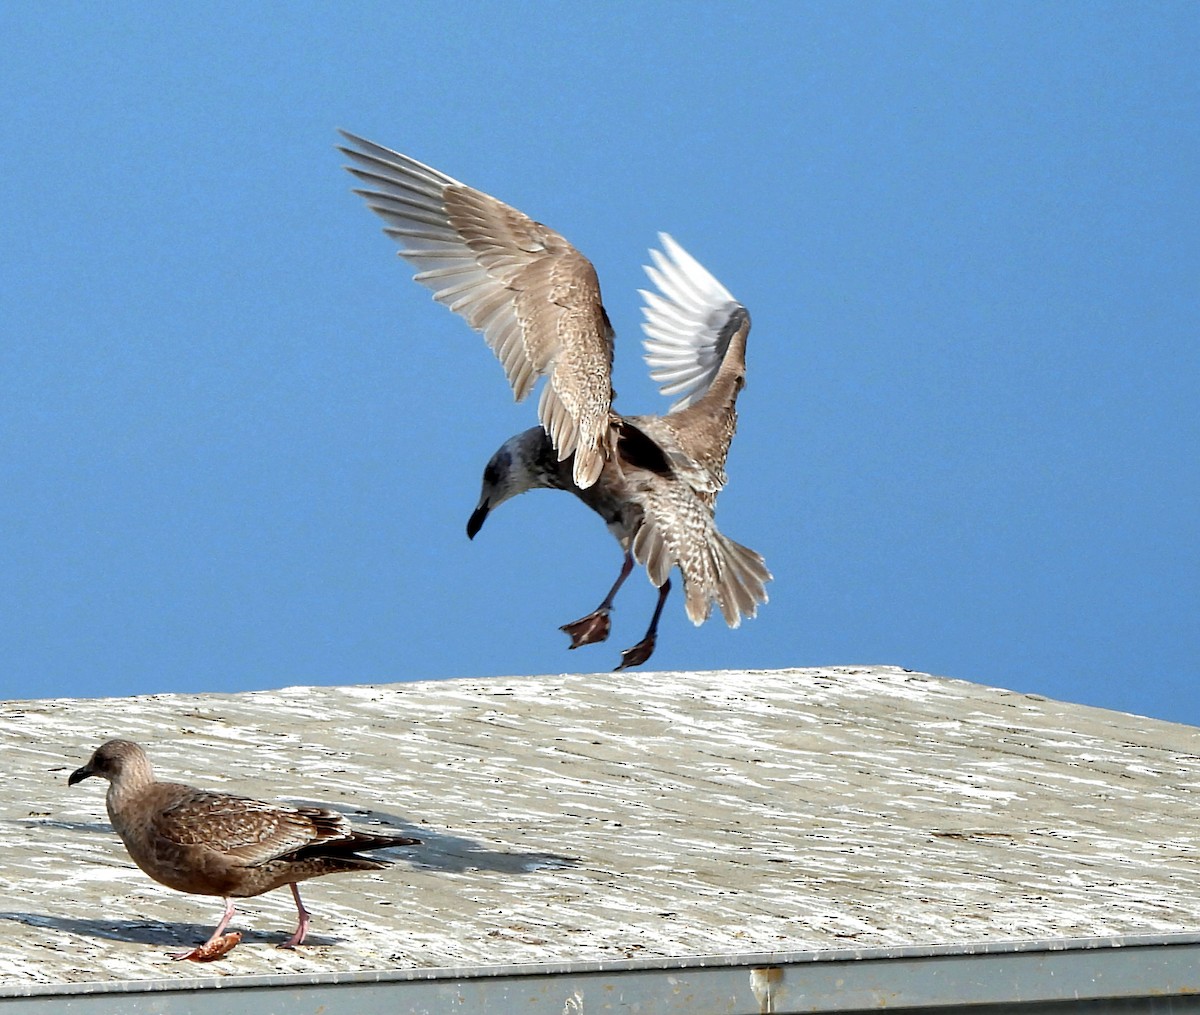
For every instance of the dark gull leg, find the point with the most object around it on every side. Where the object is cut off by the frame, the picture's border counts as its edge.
(217, 945)
(595, 626)
(645, 648)
(302, 929)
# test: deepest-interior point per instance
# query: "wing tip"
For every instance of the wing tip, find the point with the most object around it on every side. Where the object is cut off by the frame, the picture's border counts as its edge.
(589, 463)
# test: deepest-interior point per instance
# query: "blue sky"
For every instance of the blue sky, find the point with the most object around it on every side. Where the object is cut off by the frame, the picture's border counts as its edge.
(239, 446)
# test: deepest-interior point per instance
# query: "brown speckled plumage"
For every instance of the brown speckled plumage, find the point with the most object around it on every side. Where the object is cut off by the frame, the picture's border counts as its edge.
(654, 479)
(209, 843)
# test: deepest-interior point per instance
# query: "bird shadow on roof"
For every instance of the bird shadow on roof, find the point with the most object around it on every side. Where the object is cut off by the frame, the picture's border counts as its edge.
(444, 851)
(152, 932)
(70, 826)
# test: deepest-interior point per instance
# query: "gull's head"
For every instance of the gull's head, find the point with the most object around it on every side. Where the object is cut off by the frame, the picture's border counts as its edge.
(109, 760)
(521, 463)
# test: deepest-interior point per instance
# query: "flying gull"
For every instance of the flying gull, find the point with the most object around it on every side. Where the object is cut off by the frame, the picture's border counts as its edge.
(208, 843)
(536, 299)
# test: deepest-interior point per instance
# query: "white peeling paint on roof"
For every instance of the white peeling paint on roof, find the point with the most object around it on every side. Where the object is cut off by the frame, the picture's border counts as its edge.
(571, 818)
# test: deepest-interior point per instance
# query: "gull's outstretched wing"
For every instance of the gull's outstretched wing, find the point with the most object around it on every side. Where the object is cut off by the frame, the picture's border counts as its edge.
(534, 297)
(686, 323)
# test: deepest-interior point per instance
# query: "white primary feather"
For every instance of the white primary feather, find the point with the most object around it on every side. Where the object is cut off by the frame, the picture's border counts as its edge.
(684, 323)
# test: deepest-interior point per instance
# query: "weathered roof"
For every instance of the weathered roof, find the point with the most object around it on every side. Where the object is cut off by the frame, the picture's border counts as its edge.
(605, 817)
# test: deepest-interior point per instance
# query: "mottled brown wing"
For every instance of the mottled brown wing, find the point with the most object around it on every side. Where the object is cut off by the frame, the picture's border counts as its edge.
(247, 830)
(534, 297)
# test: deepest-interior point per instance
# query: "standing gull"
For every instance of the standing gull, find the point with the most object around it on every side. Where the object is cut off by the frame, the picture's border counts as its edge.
(208, 843)
(536, 299)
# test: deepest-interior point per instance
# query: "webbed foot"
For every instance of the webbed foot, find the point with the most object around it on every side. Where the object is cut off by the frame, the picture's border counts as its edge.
(588, 630)
(638, 654)
(212, 949)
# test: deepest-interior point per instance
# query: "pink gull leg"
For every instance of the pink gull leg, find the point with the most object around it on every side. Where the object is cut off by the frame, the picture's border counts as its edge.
(225, 918)
(302, 929)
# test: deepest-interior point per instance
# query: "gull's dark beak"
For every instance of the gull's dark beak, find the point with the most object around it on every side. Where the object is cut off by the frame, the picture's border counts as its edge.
(79, 775)
(475, 523)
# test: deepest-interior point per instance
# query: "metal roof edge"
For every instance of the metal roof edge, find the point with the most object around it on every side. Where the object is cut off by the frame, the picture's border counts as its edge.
(750, 960)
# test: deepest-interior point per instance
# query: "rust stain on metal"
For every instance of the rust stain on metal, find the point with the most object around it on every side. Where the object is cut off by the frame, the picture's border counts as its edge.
(765, 983)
